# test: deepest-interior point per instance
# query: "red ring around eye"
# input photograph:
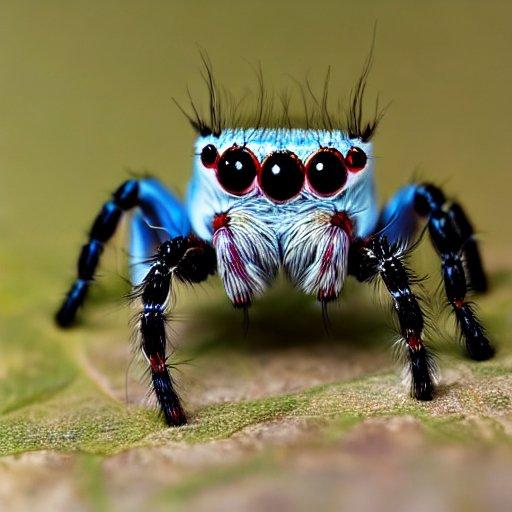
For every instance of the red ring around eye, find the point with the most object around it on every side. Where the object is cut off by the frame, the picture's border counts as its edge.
(326, 172)
(236, 170)
(356, 159)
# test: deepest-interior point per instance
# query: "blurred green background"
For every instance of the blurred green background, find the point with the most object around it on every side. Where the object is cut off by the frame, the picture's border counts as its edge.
(85, 99)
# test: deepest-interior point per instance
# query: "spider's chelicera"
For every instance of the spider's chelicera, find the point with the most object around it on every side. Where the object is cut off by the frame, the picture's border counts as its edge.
(265, 195)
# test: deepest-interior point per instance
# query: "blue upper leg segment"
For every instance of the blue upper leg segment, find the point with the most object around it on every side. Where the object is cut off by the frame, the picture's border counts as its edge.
(398, 219)
(160, 216)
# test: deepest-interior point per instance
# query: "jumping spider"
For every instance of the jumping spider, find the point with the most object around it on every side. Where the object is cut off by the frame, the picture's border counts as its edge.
(267, 194)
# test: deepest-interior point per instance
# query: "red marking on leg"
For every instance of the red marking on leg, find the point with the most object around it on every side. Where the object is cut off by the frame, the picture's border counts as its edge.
(177, 416)
(221, 220)
(414, 342)
(341, 220)
(458, 303)
(157, 363)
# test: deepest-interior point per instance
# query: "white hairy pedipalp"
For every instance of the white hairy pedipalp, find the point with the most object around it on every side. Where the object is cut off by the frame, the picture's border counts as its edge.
(314, 250)
(247, 253)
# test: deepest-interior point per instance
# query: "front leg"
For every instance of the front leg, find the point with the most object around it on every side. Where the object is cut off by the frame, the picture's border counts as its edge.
(189, 260)
(103, 227)
(156, 206)
(377, 257)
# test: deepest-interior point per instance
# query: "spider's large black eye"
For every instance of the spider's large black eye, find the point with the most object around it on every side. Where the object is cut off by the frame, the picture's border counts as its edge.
(326, 171)
(236, 170)
(209, 155)
(282, 176)
(355, 159)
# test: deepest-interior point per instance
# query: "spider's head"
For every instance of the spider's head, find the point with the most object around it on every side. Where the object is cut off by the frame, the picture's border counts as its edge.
(322, 160)
(282, 165)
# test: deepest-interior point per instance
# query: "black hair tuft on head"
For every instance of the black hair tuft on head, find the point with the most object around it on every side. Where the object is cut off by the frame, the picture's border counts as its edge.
(225, 111)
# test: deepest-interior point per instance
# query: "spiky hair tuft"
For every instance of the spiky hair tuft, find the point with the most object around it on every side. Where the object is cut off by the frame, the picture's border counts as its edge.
(225, 111)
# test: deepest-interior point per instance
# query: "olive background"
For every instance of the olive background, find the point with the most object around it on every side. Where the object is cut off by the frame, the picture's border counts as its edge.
(87, 88)
(86, 92)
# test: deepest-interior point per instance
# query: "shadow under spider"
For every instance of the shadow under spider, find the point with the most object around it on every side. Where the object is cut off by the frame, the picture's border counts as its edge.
(286, 318)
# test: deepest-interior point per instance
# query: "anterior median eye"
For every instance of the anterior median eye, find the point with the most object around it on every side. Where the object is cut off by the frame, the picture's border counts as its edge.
(236, 170)
(326, 171)
(355, 159)
(282, 176)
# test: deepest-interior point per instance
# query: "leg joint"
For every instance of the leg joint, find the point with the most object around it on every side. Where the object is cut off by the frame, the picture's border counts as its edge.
(127, 195)
(428, 198)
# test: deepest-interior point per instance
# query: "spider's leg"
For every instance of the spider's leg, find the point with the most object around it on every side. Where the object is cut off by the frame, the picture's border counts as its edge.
(377, 257)
(452, 236)
(399, 220)
(187, 259)
(430, 201)
(156, 206)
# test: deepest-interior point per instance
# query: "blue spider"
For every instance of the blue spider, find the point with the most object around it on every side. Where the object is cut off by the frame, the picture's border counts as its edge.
(264, 196)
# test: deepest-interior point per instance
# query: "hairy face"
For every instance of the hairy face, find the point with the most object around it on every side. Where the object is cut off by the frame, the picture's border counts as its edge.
(278, 171)
(291, 198)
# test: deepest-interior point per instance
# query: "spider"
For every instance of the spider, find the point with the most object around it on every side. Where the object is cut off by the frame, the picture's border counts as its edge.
(266, 194)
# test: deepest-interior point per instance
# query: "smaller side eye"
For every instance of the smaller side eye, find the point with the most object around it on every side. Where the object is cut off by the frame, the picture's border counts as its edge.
(209, 156)
(355, 159)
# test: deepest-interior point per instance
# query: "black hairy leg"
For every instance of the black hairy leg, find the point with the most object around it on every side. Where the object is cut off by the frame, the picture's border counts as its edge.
(452, 236)
(377, 257)
(103, 227)
(189, 260)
